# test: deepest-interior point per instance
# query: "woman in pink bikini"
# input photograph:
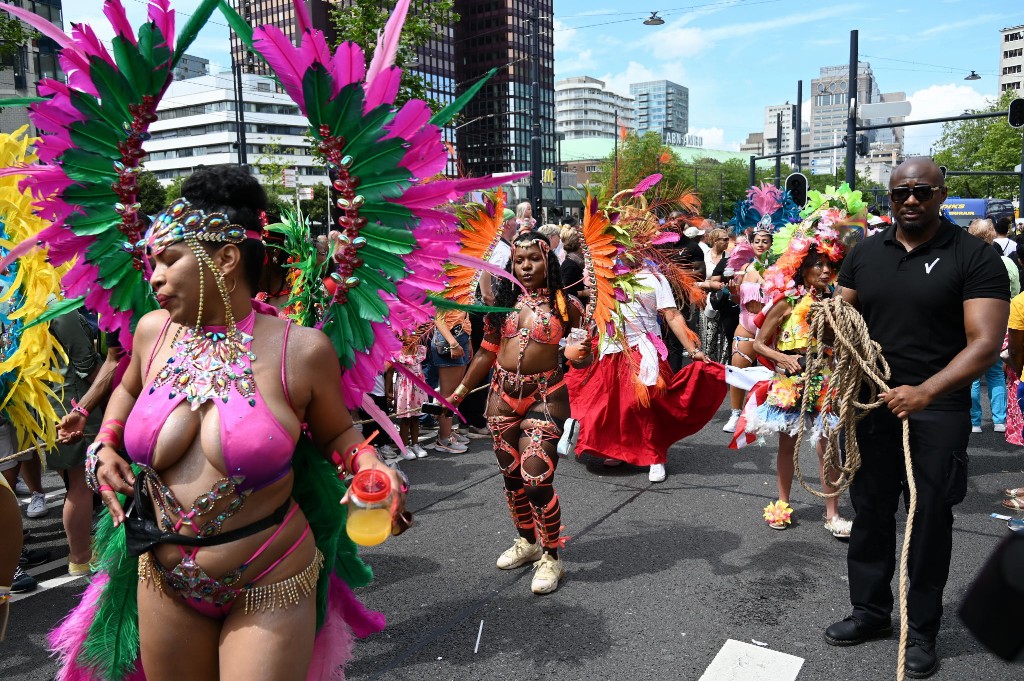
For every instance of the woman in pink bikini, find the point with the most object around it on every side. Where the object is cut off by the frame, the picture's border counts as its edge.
(529, 402)
(217, 395)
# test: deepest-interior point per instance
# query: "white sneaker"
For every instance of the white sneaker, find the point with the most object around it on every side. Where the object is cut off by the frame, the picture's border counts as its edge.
(449, 445)
(547, 573)
(409, 454)
(730, 425)
(657, 472)
(388, 452)
(975, 429)
(22, 489)
(418, 451)
(519, 554)
(37, 506)
(999, 427)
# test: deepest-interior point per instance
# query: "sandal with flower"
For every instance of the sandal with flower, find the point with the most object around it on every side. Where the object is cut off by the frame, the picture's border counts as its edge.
(1015, 492)
(778, 515)
(839, 526)
(1014, 503)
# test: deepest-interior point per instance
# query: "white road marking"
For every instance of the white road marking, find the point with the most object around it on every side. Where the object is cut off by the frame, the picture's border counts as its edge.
(46, 586)
(738, 661)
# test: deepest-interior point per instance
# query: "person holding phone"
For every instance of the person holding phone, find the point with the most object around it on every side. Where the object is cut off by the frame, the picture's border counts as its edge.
(529, 401)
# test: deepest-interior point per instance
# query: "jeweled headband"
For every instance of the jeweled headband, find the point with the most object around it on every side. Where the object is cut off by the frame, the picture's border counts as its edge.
(180, 221)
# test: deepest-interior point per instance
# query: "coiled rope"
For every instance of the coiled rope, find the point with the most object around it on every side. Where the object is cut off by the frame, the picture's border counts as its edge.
(858, 367)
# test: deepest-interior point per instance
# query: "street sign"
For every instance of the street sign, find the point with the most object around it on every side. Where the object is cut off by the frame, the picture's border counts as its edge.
(289, 177)
(885, 110)
(827, 170)
(305, 193)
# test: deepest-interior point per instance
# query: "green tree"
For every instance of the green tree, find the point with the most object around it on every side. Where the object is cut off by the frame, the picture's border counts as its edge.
(151, 194)
(13, 34)
(316, 208)
(361, 21)
(639, 157)
(981, 144)
(173, 190)
(271, 166)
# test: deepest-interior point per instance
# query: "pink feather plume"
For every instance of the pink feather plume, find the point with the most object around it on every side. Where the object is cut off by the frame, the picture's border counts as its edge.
(646, 183)
(67, 639)
(765, 199)
(387, 43)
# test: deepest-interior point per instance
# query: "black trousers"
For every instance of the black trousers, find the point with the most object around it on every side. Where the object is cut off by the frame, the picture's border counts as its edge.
(938, 446)
(475, 403)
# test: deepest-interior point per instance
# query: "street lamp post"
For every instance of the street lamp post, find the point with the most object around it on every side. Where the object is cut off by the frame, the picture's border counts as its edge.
(535, 131)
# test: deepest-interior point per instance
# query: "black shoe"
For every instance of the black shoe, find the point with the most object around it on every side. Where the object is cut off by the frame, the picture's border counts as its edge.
(852, 631)
(23, 582)
(33, 557)
(922, 661)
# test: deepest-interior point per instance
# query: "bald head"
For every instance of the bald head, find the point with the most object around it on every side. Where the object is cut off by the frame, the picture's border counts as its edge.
(917, 190)
(923, 169)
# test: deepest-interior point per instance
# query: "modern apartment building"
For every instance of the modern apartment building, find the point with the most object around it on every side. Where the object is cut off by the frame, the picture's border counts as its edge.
(1011, 58)
(585, 107)
(191, 67)
(197, 127)
(32, 62)
(661, 106)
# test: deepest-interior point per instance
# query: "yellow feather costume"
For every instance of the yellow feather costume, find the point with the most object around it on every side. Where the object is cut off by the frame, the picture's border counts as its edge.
(30, 358)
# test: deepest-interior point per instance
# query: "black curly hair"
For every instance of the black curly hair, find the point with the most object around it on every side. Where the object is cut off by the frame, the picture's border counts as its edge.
(233, 191)
(506, 294)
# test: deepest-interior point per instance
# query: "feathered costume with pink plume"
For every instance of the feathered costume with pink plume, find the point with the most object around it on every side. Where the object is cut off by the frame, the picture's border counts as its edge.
(395, 239)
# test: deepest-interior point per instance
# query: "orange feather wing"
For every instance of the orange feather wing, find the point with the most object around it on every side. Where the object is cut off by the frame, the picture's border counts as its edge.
(599, 255)
(479, 233)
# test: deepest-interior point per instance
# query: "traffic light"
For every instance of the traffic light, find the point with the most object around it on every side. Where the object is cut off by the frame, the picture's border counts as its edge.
(1016, 113)
(863, 146)
(796, 185)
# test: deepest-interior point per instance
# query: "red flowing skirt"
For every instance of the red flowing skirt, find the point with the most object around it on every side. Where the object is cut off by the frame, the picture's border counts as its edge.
(613, 422)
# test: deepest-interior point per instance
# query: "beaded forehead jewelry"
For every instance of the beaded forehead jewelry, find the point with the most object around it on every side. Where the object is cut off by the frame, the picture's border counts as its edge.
(181, 222)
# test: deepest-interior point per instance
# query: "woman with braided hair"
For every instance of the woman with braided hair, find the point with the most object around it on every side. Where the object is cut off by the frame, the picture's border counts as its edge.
(529, 402)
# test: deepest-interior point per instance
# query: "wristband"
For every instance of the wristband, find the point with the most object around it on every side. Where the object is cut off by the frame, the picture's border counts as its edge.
(92, 462)
(346, 463)
(459, 393)
(76, 407)
(105, 488)
(489, 346)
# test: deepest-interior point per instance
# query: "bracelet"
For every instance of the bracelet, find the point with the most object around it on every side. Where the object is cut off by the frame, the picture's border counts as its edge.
(76, 407)
(346, 464)
(105, 488)
(92, 462)
(459, 393)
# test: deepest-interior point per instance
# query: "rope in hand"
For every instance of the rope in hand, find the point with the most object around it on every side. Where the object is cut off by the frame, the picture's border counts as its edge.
(857, 365)
(18, 455)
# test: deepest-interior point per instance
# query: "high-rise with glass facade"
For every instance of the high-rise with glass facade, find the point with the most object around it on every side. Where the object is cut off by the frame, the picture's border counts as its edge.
(663, 107)
(495, 129)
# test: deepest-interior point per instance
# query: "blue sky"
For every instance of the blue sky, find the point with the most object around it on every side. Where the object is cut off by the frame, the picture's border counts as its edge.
(737, 56)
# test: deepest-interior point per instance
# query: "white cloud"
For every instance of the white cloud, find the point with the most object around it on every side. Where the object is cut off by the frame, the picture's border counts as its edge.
(679, 40)
(570, 55)
(958, 25)
(937, 101)
(634, 72)
(714, 138)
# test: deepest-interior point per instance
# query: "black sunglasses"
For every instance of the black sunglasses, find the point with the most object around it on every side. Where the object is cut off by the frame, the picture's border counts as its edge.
(921, 192)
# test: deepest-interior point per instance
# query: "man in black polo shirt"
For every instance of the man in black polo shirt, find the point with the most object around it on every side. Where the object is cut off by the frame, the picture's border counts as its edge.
(937, 301)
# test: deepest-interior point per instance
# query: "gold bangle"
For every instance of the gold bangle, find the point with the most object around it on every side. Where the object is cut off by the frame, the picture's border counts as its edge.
(461, 391)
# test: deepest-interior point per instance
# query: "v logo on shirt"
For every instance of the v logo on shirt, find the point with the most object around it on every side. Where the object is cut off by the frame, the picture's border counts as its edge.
(929, 266)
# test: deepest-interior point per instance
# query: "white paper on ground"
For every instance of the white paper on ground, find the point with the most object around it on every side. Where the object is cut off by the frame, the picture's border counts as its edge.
(738, 661)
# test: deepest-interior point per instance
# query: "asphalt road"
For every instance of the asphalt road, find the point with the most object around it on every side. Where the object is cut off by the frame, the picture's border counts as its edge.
(660, 577)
